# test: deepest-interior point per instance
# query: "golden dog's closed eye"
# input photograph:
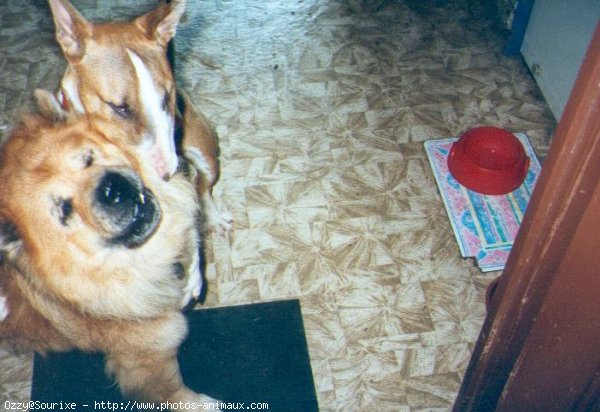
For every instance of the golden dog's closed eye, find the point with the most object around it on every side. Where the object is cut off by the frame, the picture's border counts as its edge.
(88, 158)
(65, 210)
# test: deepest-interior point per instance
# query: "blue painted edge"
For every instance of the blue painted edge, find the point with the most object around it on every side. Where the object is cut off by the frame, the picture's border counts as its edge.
(519, 26)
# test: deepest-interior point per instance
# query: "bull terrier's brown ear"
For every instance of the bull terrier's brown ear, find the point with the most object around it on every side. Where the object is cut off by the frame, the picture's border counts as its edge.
(49, 107)
(71, 29)
(161, 23)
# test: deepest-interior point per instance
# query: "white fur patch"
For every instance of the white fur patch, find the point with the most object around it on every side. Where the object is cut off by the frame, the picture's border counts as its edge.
(199, 161)
(3, 308)
(69, 88)
(160, 123)
(194, 281)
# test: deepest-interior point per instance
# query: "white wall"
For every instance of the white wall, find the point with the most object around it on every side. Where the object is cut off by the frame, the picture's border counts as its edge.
(555, 42)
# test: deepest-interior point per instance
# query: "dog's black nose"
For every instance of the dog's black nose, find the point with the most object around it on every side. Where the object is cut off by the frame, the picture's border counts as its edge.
(117, 191)
(128, 211)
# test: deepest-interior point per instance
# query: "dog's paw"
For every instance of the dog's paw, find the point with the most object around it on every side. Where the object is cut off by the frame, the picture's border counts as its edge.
(3, 308)
(219, 222)
(189, 400)
(205, 402)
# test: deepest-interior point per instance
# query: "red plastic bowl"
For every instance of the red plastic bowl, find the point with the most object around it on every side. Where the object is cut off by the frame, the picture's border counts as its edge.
(488, 160)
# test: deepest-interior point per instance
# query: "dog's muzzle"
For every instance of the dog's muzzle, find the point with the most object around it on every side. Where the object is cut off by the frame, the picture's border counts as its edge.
(126, 210)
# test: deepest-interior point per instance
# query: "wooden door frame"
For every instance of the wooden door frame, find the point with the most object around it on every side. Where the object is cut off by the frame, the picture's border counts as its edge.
(553, 271)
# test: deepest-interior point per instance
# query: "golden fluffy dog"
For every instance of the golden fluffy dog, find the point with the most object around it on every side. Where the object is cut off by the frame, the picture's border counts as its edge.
(92, 246)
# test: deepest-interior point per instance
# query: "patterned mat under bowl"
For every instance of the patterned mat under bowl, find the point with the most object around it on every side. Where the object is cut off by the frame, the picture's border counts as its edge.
(485, 226)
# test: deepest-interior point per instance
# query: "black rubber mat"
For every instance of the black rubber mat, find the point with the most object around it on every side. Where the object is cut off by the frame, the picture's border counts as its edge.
(253, 357)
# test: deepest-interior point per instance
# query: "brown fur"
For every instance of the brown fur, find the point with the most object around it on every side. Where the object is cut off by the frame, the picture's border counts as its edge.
(67, 283)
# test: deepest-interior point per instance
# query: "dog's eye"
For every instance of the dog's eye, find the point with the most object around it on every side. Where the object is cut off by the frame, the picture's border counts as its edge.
(88, 159)
(65, 210)
(122, 110)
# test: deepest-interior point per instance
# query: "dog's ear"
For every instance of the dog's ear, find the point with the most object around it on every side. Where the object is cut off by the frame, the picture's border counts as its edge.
(71, 29)
(49, 107)
(161, 23)
(10, 241)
